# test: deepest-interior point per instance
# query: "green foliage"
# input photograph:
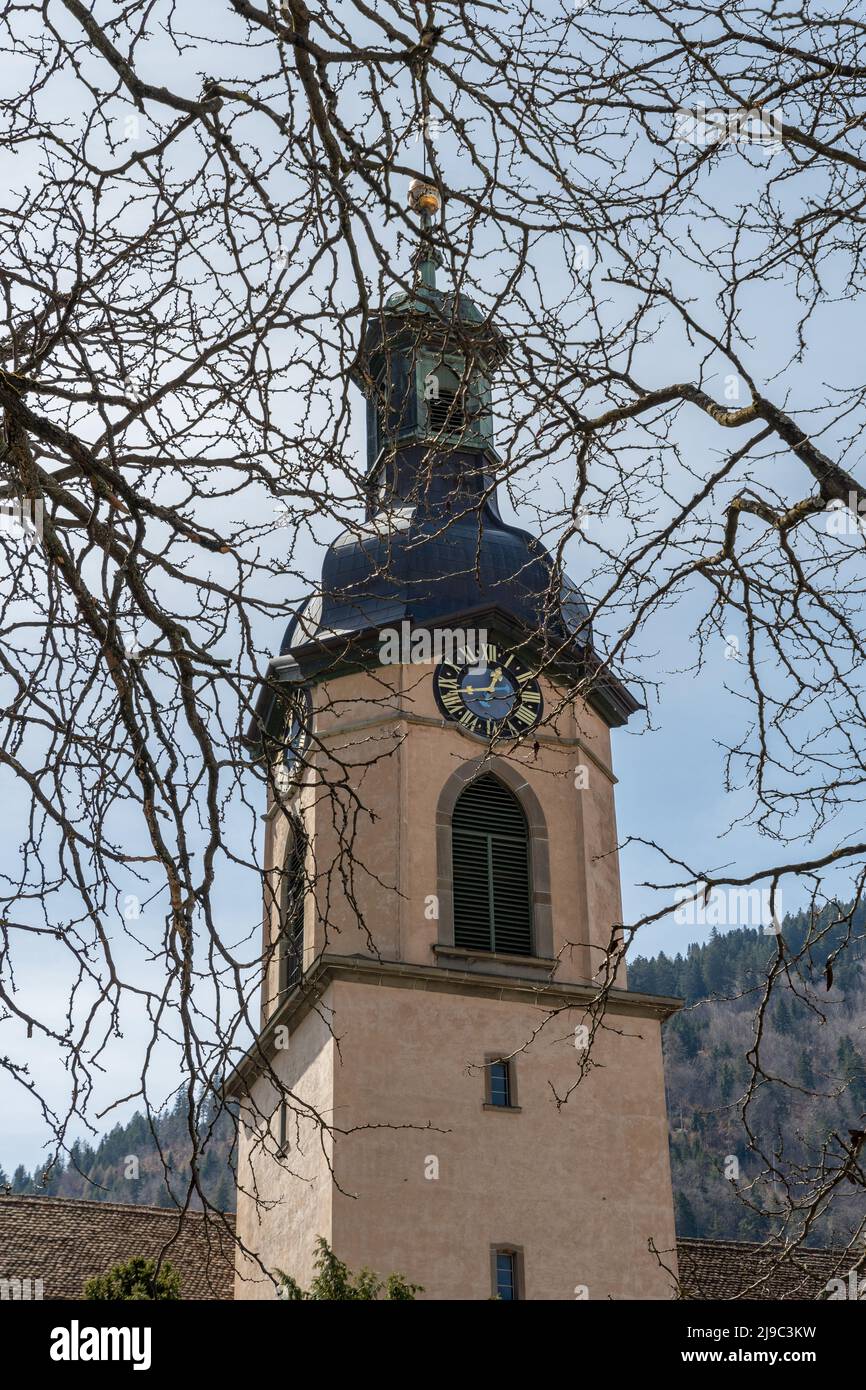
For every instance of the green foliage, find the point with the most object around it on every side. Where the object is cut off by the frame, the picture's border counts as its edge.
(135, 1281)
(335, 1282)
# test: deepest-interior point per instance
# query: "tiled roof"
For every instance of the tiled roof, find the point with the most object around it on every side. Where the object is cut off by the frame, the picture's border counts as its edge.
(64, 1241)
(726, 1269)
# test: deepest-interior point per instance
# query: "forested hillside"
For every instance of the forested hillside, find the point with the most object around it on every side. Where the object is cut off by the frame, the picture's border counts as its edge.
(125, 1166)
(815, 1043)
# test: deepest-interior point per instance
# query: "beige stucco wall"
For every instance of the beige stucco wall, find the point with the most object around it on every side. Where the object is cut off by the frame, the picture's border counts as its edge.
(285, 1200)
(582, 1188)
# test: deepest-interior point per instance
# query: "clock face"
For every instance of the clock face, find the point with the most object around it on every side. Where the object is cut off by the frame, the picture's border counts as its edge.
(497, 696)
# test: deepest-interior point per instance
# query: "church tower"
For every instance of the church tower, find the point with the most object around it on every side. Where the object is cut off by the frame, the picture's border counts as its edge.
(443, 885)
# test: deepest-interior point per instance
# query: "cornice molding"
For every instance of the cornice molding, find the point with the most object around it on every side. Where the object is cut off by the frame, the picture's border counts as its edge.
(474, 981)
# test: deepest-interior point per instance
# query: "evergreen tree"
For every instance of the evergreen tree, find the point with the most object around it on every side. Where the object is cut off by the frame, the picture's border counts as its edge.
(666, 975)
(726, 1082)
(684, 1216)
(643, 976)
(717, 964)
(688, 1034)
(21, 1182)
(225, 1195)
(335, 1282)
(694, 986)
(852, 1070)
(136, 1280)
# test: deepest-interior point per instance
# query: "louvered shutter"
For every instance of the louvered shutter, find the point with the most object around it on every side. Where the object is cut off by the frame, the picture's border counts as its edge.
(490, 843)
(446, 412)
(511, 910)
(292, 915)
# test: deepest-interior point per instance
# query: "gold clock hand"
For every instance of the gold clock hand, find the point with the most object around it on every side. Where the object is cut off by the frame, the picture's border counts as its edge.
(484, 689)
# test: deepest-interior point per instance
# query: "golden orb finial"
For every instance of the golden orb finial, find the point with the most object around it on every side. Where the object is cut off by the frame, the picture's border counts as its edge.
(424, 197)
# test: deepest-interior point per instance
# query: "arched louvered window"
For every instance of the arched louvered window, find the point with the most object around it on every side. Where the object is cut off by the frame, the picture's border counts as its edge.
(291, 952)
(445, 412)
(490, 844)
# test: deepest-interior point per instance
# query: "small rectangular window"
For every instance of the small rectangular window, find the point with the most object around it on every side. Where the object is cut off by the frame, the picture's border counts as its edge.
(500, 1086)
(500, 1083)
(283, 1126)
(506, 1273)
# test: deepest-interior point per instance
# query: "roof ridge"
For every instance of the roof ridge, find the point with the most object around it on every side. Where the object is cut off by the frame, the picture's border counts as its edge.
(768, 1247)
(110, 1206)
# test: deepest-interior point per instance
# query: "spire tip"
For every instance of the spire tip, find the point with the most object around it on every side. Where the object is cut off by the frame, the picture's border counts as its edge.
(424, 197)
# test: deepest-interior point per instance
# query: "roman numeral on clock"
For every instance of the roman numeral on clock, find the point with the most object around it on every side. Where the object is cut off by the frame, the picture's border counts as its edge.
(524, 715)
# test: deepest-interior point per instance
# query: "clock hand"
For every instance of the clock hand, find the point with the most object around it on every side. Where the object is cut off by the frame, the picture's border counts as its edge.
(480, 689)
(484, 689)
